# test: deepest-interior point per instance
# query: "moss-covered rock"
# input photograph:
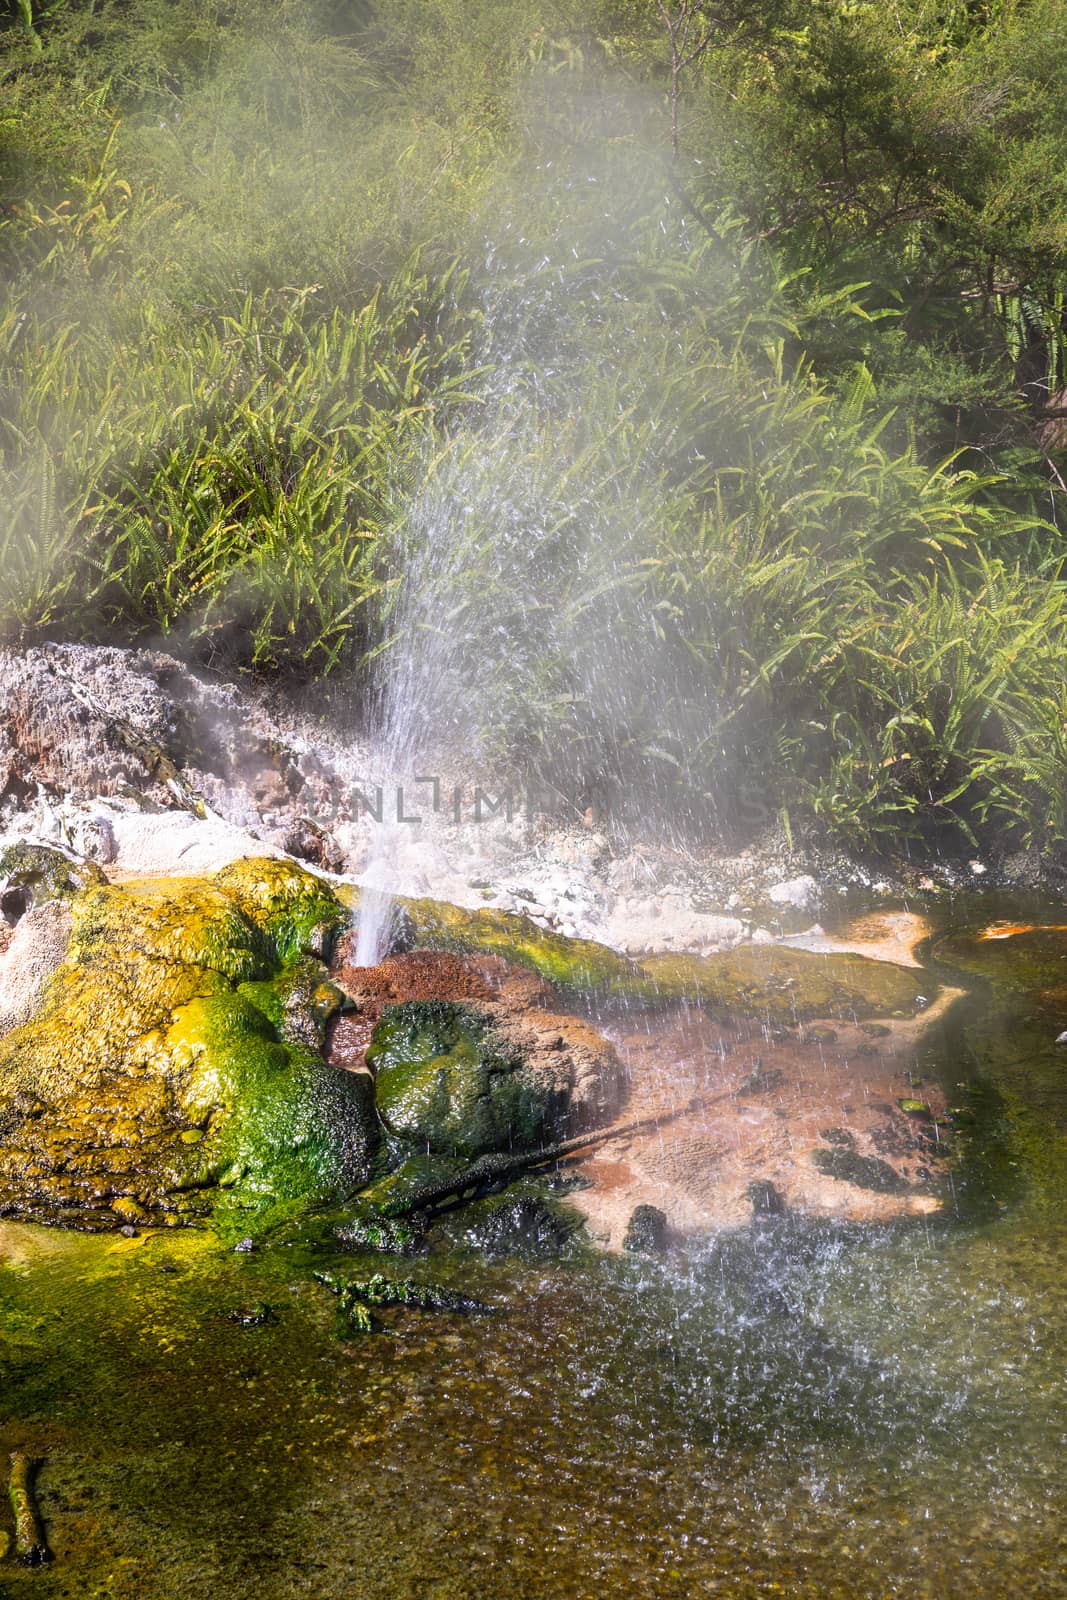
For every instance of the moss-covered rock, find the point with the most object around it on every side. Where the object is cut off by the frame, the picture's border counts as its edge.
(412, 1173)
(174, 1062)
(33, 874)
(572, 965)
(771, 981)
(784, 985)
(448, 1082)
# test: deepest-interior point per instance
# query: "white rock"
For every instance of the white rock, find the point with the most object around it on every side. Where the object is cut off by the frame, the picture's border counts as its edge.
(94, 838)
(38, 946)
(801, 893)
(175, 842)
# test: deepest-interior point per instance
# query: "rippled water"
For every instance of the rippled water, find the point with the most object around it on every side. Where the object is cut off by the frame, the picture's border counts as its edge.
(820, 1411)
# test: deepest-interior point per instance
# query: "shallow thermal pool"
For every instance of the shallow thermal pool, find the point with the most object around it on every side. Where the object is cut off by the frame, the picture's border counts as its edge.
(797, 1410)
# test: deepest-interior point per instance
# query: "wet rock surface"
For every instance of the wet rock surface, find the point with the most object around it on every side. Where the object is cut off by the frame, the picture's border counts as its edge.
(726, 1101)
(187, 1053)
(736, 1120)
(173, 1067)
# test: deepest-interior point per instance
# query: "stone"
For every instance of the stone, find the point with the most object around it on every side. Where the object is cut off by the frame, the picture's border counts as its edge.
(33, 874)
(646, 1232)
(37, 950)
(766, 1199)
(187, 1008)
(800, 894)
(448, 1082)
(93, 838)
(524, 1226)
(866, 1172)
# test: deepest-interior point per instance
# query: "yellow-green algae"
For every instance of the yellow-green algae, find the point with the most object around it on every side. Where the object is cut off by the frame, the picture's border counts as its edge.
(574, 965)
(753, 980)
(785, 985)
(151, 1074)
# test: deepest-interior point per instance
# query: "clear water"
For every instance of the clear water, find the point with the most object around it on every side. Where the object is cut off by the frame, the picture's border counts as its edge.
(814, 1412)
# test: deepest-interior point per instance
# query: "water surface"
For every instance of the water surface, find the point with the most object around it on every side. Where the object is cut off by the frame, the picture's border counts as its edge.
(824, 1411)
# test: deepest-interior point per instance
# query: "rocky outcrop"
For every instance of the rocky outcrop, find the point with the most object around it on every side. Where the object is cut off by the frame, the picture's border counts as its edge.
(83, 723)
(178, 1049)
(173, 1067)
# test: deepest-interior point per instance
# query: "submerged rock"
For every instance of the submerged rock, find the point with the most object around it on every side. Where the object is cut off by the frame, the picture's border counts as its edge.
(800, 894)
(866, 1172)
(356, 1297)
(174, 1061)
(786, 985)
(646, 1233)
(523, 1225)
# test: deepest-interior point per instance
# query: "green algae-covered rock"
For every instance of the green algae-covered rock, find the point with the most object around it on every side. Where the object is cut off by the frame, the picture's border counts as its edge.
(446, 1081)
(572, 965)
(32, 874)
(781, 984)
(784, 985)
(415, 1172)
(174, 1062)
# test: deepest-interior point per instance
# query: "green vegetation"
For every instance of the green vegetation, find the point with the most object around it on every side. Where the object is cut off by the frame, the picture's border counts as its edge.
(447, 1083)
(174, 1068)
(734, 356)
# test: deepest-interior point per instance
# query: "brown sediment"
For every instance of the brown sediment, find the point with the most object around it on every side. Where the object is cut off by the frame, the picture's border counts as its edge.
(441, 975)
(737, 1107)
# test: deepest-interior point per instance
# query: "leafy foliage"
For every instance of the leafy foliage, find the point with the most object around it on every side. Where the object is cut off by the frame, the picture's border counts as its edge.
(751, 448)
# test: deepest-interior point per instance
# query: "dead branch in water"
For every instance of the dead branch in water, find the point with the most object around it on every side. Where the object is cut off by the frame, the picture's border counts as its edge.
(30, 1544)
(498, 1167)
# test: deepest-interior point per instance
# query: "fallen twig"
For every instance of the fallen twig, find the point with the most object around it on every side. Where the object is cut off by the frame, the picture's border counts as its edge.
(497, 1167)
(30, 1544)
